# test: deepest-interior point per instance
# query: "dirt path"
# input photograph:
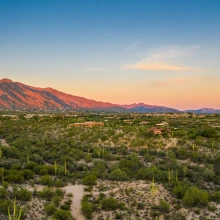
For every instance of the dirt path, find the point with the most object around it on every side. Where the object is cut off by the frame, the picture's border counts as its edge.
(77, 191)
(4, 143)
(172, 143)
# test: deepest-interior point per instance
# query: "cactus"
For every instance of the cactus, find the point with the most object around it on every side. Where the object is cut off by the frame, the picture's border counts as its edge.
(103, 152)
(170, 175)
(99, 207)
(28, 158)
(185, 170)
(55, 167)
(177, 177)
(193, 145)
(35, 190)
(65, 169)
(154, 167)
(153, 188)
(2, 172)
(98, 152)
(16, 213)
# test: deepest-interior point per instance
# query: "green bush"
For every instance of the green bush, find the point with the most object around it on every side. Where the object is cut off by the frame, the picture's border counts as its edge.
(3, 193)
(109, 204)
(46, 180)
(50, 209)
(194, 196)
(164, 206)
(89, 180)
(61, 214)
(22, 194)
(87, 209)
(118, 175)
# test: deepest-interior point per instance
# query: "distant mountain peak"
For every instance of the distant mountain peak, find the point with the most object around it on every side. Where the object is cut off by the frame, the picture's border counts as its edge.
(6, 80)
(18, 96)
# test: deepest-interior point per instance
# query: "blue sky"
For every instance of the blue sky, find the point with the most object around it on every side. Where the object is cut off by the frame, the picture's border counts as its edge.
(154, 51)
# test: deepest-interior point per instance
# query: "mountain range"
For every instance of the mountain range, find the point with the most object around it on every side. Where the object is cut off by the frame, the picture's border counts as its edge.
(18, 96)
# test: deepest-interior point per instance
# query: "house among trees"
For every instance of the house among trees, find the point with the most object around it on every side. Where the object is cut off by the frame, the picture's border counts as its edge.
(162, 124)
(158, 130)
(89, 124)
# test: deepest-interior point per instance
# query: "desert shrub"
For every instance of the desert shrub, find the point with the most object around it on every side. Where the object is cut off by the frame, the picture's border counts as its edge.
(22, 194)
(89, 180)
(180, 189)
(118, 175)
(56, 200)
(61, 214)
(216, 197)
(164, 206)
(4, 206)
(177, 216)
(109, 204)
(50, 209)
(194, 196)
(3, 193)
(46, 193)
(46, 180)
(87, 209)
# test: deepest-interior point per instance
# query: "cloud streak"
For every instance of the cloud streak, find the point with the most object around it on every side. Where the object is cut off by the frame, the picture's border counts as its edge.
(157, 67)
(164, 59)
(134, 45)
(176, 81)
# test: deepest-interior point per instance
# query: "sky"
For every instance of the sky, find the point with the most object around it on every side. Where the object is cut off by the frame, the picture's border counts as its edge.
(159, 52)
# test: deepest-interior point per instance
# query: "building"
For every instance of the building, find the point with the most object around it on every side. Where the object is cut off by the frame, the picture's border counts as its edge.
(162, 124)
(89, 124)
(158, 131)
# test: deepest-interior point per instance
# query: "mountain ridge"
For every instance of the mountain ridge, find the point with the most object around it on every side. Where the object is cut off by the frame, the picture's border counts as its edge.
(18, 96)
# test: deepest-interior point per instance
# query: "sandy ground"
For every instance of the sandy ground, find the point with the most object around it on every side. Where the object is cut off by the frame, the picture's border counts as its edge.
(77, 191)
(4, 142)
(131, 193)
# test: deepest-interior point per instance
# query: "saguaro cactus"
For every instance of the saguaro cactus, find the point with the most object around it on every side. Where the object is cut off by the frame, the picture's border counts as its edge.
(170, 175)
(177, 176)
(16, 213)
(185, 170)
(65, 169)
(2, 174)
(98, 151)
(193, 145)
(28, 158)
(153, 188)
(103, 151)
(55, 167)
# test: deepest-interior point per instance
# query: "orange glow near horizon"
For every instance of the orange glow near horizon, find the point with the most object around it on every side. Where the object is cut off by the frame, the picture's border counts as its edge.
(176, 92)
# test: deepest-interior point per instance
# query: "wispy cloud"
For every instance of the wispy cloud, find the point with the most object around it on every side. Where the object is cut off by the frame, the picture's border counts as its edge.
(164, 59)
(94, 69)
(97, 69)
(157, 66)
(176, 81)
(134, 45)
(79, 83)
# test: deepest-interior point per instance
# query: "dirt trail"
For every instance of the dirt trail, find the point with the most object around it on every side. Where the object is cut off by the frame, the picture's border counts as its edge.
(77, 191)
(172, 143)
